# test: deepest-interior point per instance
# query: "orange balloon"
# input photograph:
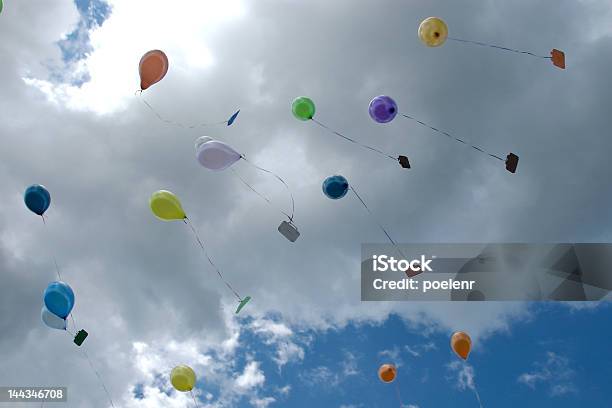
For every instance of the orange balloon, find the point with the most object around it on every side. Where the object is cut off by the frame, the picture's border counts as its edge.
(387, 373)
(461, 344)
(153, 67)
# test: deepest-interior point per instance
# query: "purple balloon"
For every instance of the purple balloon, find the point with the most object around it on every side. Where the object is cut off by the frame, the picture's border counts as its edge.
(382, 109)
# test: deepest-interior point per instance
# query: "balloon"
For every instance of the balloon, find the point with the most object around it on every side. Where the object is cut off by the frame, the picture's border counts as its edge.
(1, 6)
(37, 199)
(166, 206)
(183, 378)
(387, 373)
(433, 32)
(216, 155)
(201, 140)
(382, 109)
(59, 299)
(335, 187)
(303, 108)
(153, 67)
(51, 320)
(461, 344)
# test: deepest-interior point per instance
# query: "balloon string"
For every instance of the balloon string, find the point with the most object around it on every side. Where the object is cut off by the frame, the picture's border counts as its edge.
(378, 223)
(57, 270)
(452, 137)
(498, 47)
(99, 378)
(290, 217)
(477, 396)
(465, 364)
(73, 320)
(194, 399)
(279, 178)
(197, 237)
(178, 124)
(353, 141)
(399, 397)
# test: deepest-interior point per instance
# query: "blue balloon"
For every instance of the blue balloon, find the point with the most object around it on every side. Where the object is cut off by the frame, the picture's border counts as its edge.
(37, 199)
(59, 299)
(335, 187)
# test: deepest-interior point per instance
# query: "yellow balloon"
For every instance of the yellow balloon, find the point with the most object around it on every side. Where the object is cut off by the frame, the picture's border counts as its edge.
(433, 32)
(183, 378)
(166, 206)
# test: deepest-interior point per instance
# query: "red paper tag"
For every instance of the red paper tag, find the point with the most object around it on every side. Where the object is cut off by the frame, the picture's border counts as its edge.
(558, 58)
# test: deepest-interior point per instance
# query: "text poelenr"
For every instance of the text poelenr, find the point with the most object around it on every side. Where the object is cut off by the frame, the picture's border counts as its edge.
(424, 286)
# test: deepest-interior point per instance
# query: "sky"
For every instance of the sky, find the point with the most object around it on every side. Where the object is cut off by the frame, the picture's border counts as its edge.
(71, 121)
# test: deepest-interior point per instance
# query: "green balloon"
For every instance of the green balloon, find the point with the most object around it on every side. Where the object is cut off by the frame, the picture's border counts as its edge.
(0, 6)
(303, 108)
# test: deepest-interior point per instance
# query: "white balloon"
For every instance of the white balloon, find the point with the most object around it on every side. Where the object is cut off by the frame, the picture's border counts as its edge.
(51, 320)
(215, 155)
(201, 140)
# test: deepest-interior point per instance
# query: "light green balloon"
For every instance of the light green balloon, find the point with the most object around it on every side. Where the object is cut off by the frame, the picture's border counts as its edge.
(303, 108)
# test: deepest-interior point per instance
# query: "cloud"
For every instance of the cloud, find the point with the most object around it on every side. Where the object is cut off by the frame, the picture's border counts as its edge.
(110, 69)
(280, 336)
(393, 355)
(144, 293)
(262, 402)
(465, 377)
(320, 376)
(555, 373)
(419, 349)
(331, 377)
(349, 364)
(252, 377)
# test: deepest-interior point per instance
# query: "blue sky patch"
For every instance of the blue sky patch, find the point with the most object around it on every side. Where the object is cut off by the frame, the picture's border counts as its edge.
(559, 357)
(77, 44)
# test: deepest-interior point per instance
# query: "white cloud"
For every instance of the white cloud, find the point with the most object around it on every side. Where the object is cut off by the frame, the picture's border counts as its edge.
(320, 376)
(262, 402)
(555, 372)
(329, 377)
(288, 352)
(181, 30)
(284, 390)
(350, 365)
(411, 351)
(465, 377)
(142, 289)
(418, 349)
(281, 336)
(251, 377)
(271, 328)
(393, 355)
